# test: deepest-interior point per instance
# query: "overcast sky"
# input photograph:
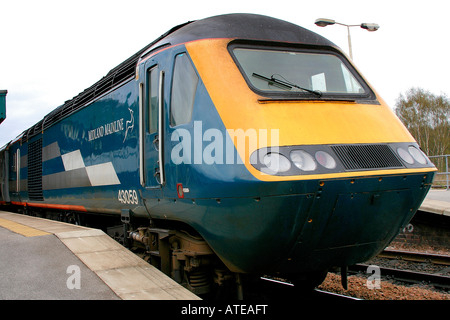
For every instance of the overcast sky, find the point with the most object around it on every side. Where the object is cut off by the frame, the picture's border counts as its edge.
(52, 50)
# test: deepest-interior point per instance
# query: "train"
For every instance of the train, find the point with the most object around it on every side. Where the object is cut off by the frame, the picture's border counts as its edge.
(230, 147)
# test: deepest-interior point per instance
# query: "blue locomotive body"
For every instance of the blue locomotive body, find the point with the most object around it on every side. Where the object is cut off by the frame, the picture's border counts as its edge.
(157, 140)
(79, 159)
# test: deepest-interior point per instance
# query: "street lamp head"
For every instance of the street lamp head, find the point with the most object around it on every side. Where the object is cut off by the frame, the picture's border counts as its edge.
(321, 22)
(370, 26)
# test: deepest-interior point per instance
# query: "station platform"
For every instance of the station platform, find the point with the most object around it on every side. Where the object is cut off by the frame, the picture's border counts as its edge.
(437, 202)
(42, 259)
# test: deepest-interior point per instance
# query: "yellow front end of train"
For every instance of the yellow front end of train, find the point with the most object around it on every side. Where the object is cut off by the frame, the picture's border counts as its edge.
(294, 120)
(359, 172)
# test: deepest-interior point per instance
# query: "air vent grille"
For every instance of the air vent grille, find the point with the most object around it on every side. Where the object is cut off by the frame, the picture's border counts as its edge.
(35, 171)
(367, 156)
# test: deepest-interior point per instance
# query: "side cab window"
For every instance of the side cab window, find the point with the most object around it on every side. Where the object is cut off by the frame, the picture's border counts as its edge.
(184, 86)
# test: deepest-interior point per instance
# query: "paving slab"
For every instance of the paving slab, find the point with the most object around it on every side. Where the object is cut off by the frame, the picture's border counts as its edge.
(39, 256)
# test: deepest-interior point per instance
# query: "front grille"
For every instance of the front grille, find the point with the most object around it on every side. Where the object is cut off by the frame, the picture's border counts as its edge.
(366, 156)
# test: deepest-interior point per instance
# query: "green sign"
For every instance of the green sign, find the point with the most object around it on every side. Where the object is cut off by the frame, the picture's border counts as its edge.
(3, 105)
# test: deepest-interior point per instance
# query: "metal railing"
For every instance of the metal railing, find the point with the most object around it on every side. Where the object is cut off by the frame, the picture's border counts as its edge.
(442, 177)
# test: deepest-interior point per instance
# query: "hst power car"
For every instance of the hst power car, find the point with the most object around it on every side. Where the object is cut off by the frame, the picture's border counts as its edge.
(232, 146)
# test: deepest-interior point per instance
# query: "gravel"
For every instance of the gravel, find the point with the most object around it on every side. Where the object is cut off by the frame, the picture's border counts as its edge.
(359, 285)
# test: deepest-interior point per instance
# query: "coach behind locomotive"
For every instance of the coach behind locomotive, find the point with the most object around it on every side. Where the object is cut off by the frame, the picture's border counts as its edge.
(237, 144)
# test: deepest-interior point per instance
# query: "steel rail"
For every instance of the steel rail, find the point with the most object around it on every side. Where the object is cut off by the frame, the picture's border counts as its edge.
(416, 256)
(335, 295)
(316, 293)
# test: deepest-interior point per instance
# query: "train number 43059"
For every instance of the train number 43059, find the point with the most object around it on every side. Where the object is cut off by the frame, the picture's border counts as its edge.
(128, 197)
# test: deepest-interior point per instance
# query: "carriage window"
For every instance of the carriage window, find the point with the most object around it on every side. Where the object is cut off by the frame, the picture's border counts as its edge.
(184, 86)
(153, 90)
(287, 71)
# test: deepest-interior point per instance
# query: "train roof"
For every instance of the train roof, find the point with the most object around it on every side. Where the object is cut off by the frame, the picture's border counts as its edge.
(245, 26)
(239, 26)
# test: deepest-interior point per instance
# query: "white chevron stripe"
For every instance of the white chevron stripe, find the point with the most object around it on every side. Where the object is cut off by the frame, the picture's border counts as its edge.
(76, 173)
(99, 175)
(73, 160)
(102, 174)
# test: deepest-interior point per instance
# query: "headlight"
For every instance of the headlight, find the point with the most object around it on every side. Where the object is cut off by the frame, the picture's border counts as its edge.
(417, 155)
(276, 162)
(325, 159)
(308, 160)
(303, 160)
(405, 155)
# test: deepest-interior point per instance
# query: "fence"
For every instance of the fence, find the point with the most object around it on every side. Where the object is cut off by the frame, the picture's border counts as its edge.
(443, 175)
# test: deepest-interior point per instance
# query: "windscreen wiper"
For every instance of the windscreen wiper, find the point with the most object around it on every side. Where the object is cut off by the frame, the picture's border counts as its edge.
(285, 84)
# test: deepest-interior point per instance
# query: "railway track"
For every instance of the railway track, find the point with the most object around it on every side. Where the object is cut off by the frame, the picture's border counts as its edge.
(333, 295)
(416, 256)
(277, 289)
(438, 281)
(407, 276)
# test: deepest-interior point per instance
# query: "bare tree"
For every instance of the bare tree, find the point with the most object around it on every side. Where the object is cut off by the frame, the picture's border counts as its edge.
(427, 117)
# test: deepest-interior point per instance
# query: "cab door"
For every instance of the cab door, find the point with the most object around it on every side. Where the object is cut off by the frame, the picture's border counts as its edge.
(151, 118)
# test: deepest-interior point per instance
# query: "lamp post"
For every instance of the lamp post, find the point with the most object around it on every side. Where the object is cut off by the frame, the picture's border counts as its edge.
(322, 22)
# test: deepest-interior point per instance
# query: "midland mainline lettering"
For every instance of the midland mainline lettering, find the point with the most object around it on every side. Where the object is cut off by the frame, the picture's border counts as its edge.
(105, 130)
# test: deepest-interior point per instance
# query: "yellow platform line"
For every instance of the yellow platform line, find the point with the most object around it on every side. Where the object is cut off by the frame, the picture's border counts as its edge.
(21, 229)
